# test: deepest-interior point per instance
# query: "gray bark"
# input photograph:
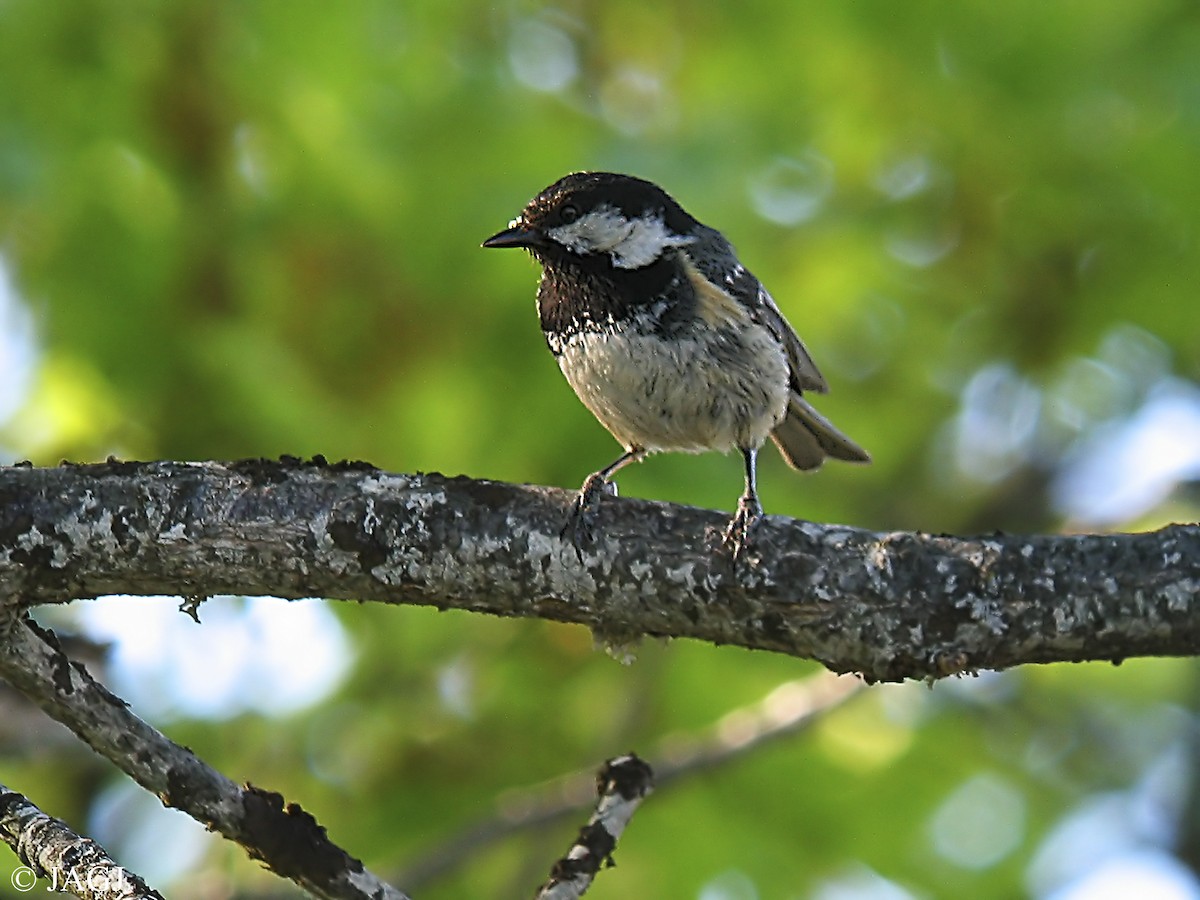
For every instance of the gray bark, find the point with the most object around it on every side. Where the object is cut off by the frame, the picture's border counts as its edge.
(283, 836)
(888, 606)
(72, 864)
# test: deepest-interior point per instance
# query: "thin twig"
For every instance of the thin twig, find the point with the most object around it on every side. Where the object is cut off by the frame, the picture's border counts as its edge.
(621, 784)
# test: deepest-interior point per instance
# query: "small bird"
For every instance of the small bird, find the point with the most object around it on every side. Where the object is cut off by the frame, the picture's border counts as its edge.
(667, 338)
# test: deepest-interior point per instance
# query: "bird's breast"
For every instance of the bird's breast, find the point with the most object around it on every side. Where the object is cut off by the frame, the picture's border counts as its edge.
(692, 388)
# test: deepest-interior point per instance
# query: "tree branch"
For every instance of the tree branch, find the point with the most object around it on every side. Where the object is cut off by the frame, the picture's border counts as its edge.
(621, 784)
(890, 606)
(284, 837)
(74, 864)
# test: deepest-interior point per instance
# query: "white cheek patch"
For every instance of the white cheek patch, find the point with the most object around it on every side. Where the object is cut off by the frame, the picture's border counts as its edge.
(597, 232)
(632, 243)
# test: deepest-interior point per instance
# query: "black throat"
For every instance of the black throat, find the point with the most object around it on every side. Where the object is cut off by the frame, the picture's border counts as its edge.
(579, 293)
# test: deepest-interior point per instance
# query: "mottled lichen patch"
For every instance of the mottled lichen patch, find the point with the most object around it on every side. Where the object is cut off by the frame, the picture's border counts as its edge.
(888, 605)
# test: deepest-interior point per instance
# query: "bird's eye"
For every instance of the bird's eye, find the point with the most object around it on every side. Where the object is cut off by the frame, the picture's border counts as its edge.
(568, 214)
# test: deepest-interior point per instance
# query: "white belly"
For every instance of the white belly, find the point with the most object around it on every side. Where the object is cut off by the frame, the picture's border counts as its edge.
(719, 389)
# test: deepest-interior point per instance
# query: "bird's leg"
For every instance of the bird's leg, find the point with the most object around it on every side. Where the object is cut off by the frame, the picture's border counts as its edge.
(749, 510)
(583, 511)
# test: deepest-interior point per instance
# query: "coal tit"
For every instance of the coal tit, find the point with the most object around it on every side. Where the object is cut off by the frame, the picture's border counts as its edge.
(666, 337)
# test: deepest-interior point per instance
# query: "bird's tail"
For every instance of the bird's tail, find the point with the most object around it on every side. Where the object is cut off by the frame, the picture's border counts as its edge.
(805, 438)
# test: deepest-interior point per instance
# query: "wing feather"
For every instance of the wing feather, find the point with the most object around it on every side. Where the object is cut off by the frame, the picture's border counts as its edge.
(808, 377)
(713, 256)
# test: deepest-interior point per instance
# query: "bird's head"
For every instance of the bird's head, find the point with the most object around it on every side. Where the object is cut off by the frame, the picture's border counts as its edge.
(601, 217)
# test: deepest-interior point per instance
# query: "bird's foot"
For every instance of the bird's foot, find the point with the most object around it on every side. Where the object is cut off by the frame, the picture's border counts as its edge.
(582, 517)
(737, 532)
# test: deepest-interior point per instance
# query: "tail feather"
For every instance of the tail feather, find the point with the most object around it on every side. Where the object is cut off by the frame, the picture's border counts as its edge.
(805, 438)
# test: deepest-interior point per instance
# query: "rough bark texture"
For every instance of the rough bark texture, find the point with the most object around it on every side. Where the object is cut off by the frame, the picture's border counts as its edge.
(72, 864)
(889, 606)
(284, 837)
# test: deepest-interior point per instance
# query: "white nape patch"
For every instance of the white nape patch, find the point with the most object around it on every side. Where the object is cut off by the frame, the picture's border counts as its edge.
(632, 243)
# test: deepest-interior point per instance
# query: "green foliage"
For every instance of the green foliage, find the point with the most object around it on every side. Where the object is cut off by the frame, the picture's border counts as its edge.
(252, 229)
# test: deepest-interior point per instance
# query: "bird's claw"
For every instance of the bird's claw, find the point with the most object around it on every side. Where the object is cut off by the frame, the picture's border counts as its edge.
(582, 516)
(737, 533)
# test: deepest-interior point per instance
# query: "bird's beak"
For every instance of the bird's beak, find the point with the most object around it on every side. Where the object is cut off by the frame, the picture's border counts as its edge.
(516, 236)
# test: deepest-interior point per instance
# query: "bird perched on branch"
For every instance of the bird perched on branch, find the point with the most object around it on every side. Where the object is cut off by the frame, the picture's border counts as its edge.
(666, 337)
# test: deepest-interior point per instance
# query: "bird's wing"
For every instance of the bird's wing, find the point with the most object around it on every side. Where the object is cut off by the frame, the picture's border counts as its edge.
(715, 259)
(808, 377)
